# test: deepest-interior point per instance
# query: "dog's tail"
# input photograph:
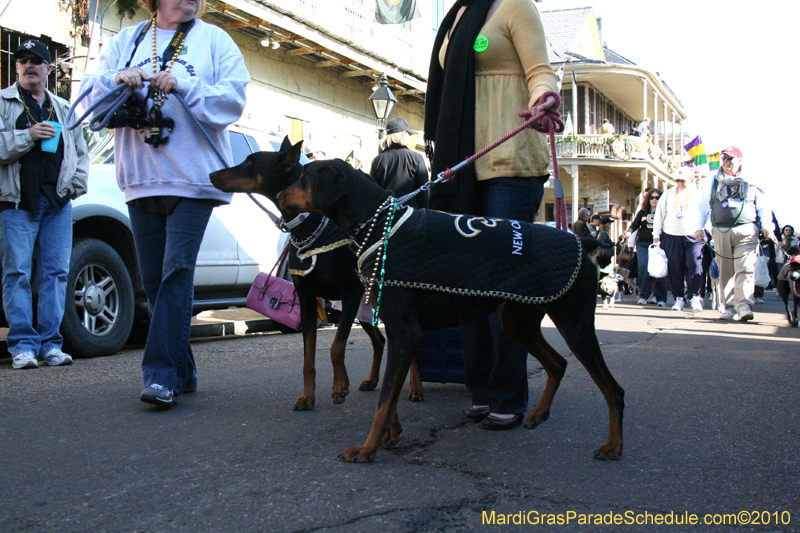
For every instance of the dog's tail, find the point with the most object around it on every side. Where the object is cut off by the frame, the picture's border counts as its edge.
(588, 244)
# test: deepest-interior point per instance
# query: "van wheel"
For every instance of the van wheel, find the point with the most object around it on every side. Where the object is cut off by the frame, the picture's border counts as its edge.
(99, 311)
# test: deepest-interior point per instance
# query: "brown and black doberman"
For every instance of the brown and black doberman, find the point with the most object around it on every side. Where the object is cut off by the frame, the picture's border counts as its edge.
(349, 198)
(334, 276)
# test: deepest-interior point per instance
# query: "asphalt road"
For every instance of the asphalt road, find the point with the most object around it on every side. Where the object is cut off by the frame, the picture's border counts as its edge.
(712, 426)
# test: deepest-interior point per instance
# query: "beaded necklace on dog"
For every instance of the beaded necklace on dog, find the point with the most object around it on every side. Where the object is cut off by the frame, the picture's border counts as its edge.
(30, 118)
(159, 98)
(380, 257)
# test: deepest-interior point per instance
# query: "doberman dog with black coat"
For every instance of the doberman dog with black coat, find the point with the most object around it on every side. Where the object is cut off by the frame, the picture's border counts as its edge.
(333, 276)
(349, 198)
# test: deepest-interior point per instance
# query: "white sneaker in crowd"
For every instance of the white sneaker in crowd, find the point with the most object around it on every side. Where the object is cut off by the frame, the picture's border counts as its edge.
(744, 315)
(728, 314)
(678, 305)
(24, 360)
(759, 300)
(652, 299)
(642, 301)
(696, 303)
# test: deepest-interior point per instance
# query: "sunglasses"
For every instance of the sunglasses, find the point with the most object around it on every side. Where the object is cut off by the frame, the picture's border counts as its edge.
(727, 158)
(33, 59)
(654, 198)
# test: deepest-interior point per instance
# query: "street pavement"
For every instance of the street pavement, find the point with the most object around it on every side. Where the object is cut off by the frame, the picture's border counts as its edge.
(711, 428)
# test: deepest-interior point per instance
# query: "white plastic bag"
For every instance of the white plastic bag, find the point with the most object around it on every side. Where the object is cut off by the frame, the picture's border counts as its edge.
(656, 262)
(762, 271)
(632, 240)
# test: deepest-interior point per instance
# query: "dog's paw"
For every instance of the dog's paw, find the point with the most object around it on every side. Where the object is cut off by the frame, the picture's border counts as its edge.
(368, 385)
(608, 452)
(357, 454)
(338, 397)
(416, 396)
(304, 404)
(535, 420)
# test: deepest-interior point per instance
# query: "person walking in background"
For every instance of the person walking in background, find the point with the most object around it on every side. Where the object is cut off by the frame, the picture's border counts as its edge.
(397, 168)
(489, 60)
(606, 248)
(37, 185)
(651, 290)
(675, 229)
(594, 224)
(787, 241)
(581, 226)
(167, 189)
(736, 207)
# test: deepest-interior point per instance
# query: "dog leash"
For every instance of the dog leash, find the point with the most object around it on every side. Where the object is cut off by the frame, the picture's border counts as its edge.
(552, 125)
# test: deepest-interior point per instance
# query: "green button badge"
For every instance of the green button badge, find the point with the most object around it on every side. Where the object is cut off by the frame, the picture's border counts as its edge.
(481, 43)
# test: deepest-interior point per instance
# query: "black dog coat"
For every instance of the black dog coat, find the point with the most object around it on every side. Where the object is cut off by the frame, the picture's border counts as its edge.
(475, 256)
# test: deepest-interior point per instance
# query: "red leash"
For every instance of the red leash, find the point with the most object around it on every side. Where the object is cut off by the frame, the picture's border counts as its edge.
(551, 124)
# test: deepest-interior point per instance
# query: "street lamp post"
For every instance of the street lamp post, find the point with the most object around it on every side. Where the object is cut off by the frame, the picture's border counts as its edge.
(382, 102)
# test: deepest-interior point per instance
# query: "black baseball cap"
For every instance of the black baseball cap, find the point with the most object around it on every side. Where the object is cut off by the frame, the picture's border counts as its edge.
(36, 48)
(396, 125)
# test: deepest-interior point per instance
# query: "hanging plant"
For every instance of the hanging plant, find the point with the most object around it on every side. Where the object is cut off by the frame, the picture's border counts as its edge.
(79, 15)
(127, 8)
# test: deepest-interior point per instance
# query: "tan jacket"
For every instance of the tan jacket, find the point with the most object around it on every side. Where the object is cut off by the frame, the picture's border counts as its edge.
(510, 75)
(14, 143)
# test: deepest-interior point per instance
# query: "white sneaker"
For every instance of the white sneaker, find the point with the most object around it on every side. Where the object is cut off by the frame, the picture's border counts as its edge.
(678, 305)
(727, 314)
(24, 360)
(744, 315)
(652, 299)
(662, 304)
(55, 357)
(759, 300)
(696, 303)
(642, 301)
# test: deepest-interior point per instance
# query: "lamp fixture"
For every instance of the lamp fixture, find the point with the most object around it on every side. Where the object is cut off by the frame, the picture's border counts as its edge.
(382, 102)
(270, 41)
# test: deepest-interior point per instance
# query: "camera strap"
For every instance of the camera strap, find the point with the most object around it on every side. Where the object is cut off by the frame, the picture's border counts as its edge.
(177, 40)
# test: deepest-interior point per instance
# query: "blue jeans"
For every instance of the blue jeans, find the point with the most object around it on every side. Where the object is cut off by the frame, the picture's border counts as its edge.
(643, 278)
(496, 367)
(22, 235)
(167, 247)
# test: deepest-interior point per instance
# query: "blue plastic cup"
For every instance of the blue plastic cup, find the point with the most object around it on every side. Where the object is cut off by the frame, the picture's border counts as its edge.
(51, 144)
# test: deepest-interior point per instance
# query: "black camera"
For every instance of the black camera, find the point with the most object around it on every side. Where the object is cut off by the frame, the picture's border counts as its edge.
(132, 114)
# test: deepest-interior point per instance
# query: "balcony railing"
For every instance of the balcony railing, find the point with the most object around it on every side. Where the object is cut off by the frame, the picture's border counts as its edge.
(617, 147)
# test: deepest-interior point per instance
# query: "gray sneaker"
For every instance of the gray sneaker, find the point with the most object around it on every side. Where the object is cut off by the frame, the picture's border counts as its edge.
(744, 315)
(24, 360)
(158, 395)
(55, 357)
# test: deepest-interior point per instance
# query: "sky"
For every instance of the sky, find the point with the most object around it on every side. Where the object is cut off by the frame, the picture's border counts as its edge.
(732, 65)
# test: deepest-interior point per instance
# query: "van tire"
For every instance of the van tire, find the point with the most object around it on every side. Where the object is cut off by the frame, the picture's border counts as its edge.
(100, 305)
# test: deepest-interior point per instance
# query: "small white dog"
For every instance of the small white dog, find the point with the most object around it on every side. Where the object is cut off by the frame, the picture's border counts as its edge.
(609, 287)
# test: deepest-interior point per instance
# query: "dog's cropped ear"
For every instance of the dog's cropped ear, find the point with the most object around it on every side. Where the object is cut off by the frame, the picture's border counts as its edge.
(286, 144)
(330, 183)
(290, 157)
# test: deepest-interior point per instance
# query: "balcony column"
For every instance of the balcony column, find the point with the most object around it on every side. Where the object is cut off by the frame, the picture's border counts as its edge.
(644, 179)
(655, 119)
(575, 192)
(664, 141)
(673, 136)
(644, 98)
(680, 141)
(574, 111)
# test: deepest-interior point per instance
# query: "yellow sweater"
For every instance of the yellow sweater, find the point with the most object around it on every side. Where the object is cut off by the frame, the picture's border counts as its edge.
(510, 75)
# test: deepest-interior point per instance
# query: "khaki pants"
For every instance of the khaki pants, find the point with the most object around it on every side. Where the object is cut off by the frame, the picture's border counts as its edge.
(736, 276)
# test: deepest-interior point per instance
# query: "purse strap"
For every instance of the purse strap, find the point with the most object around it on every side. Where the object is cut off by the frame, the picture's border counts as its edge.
(281, 259)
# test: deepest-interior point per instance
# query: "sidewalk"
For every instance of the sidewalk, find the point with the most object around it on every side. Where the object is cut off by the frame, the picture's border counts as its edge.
(219, 323)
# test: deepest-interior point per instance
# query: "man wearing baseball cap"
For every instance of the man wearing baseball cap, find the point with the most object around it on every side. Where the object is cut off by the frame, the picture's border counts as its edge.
(737, 209)
(398, 168)
(38, 180)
